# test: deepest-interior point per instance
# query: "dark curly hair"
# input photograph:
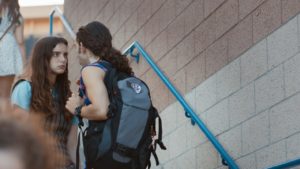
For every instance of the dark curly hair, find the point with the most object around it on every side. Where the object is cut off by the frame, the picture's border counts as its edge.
(97, 38)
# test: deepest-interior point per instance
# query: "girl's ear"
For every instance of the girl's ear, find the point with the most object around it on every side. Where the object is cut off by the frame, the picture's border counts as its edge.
(82, 49)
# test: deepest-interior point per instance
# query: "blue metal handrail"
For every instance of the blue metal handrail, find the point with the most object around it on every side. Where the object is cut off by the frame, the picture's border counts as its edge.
(190, 113)
(64, 21)
(288, 164)
(187, 108)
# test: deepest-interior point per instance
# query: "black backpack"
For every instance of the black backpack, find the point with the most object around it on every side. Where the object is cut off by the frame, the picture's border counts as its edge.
(126, 139)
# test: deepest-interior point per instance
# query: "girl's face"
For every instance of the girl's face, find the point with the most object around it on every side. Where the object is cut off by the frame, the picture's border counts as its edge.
(10, 160)
(59, 59)
(82, 55)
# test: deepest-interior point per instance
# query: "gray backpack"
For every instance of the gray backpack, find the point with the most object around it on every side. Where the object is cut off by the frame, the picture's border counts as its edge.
(126, 139)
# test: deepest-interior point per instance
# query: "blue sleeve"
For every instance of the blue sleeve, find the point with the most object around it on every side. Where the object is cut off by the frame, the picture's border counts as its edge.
(75, 120)
(21, 95)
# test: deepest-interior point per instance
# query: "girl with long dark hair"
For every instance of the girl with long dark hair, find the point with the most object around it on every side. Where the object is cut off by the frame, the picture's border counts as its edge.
(44, 89)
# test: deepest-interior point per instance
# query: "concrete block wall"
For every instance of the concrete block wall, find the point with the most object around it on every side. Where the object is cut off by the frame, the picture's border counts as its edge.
(189, 39)
(251, 105)
(235, 61)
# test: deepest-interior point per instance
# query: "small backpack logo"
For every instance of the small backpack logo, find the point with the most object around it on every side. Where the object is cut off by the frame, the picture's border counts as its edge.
(135, 86)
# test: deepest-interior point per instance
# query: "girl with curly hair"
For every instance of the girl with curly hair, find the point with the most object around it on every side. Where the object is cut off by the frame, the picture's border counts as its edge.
(96, 51)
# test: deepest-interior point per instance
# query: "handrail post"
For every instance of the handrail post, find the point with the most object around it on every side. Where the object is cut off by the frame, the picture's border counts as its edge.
(64, 21)
(51, 23)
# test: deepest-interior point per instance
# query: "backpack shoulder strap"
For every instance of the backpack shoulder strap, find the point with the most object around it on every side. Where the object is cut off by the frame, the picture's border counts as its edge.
(18, 82)
(110, 75)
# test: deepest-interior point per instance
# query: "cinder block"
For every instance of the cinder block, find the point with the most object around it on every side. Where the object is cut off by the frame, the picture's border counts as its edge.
(210, 6)
(241, 105)
(195, 72)
(169, 118)
(271, 155)
(180, 81)
(195, 136)
(190, 98)
(159, 46)
(152, 79)
(205, 34)
(269, 89)
(217, 117)
(180, 113)
(131, 26)
(240, 38)
(232, 142)
(167, 13)
(185, 51)
(266, 18)
(144, 12)
(289, 9)
(180, 5)
(160, 97)
(228, 79)
(216, 56)
(207, 156)
(293, 148)
(247, 162)
(177, 144)
(175, 31)
(108, 10)
(254, 62)
(299, 32)
(170, 165)
(156, 4)
(206, 94)
(255, 133)
(284, 118)
(283, 43)
(223, 167)
(246, 7)
(163, 155)
(292, 75)
(226, 17)
(187, 160)
(194, 14)
(168, 63)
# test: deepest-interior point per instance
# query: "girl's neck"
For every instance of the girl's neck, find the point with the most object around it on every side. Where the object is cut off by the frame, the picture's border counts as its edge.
(93, 59)
(52, 79)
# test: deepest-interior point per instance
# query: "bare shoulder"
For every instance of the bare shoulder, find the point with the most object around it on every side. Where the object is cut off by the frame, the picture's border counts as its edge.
(92, 72)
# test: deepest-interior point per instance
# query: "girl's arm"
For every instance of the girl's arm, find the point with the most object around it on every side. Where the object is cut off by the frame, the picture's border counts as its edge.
(93, 78)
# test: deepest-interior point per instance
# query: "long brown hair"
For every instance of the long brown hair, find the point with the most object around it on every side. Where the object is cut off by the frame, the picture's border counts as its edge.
(13, 9)
(96, 37)
(37, 72)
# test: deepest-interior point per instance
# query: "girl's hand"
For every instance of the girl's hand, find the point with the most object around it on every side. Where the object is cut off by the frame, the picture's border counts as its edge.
(73, 102)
